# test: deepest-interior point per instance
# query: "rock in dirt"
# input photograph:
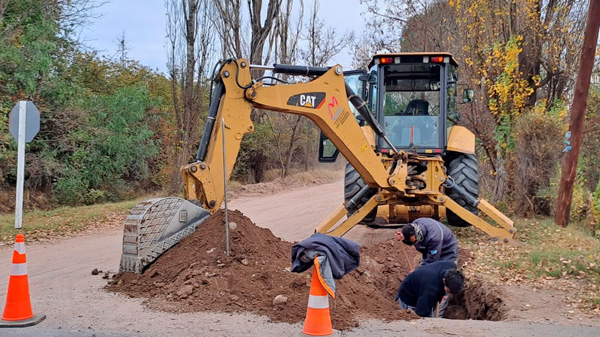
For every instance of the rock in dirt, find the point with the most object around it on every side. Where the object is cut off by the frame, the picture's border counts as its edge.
(185, 291)
(279, 300)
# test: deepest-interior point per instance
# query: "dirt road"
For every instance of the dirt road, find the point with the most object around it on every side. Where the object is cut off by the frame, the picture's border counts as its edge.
(295, 214)
(63, 288)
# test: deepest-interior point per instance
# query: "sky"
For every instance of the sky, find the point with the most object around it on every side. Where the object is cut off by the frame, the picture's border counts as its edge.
(143, 24)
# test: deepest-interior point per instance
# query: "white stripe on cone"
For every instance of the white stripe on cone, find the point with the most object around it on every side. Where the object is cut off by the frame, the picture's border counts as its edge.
(20, 247)
(18, 269)
(318, 302)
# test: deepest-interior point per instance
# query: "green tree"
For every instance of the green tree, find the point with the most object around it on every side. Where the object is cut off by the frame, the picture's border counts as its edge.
(109, 145)
(96, 114)
(34, 50)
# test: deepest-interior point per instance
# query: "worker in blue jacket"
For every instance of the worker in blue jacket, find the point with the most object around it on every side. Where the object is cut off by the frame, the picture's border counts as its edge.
(431, 238)
(428, 285)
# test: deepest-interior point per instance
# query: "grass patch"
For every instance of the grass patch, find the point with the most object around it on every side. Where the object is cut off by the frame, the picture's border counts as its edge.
(63, 219)
(548, 255)
(546, 252)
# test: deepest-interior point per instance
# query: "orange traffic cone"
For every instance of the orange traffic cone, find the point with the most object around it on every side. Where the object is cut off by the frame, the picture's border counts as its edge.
(17, 311)
(318, 319)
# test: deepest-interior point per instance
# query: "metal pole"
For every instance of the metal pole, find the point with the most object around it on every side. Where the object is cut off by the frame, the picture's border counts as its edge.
(225, 188)
(20, 164)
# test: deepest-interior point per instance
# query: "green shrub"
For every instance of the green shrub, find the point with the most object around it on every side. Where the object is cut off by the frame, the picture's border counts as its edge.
(594, 218)
(111, 148)
(538, 148)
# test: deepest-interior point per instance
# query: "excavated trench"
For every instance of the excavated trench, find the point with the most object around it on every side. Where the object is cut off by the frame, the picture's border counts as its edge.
(391, 261)
(478, 301)
(197, 275)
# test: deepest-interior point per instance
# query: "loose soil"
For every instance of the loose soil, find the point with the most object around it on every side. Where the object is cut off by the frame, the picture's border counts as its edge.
(197, 275)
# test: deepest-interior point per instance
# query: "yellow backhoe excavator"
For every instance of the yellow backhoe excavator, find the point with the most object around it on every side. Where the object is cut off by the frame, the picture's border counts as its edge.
(391, 123)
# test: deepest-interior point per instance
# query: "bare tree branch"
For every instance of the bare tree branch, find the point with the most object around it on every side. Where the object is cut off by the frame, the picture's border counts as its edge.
(189, 34)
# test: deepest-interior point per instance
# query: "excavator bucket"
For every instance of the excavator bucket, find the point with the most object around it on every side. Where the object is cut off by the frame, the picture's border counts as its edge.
(155, 225)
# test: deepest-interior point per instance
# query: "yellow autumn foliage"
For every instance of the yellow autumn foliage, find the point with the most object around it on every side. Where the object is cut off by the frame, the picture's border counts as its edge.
(508, 92)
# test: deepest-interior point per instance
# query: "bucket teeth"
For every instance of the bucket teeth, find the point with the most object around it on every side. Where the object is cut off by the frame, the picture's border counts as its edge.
(153, 226)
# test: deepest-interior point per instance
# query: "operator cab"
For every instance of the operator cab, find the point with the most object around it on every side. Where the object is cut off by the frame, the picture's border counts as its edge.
(412, 96)
(418, 91)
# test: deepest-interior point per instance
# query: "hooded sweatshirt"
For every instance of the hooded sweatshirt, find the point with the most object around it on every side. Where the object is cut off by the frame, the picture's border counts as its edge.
(424, 287)
(437, 242)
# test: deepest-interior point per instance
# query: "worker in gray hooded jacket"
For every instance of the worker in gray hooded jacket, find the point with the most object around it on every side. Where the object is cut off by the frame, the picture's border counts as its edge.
(431, 238)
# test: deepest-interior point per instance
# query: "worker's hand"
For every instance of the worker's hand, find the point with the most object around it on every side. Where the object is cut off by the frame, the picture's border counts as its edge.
(399, 236)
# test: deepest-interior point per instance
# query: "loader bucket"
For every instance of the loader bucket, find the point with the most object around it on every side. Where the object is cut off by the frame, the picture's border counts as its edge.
(155, 225)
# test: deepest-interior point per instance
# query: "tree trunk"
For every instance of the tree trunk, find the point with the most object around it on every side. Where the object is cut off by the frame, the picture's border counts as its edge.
(260, 30)
(586, 64)
(500, 182)
(183, 24)
(290, 152)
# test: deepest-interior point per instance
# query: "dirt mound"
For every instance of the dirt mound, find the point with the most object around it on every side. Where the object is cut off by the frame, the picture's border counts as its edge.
(197, 275)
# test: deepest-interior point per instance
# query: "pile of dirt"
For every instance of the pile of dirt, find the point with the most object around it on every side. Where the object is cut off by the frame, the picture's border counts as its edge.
(197, 275)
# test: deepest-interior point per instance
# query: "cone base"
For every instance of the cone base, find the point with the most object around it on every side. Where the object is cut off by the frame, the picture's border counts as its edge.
(21, 324)
(334, 333)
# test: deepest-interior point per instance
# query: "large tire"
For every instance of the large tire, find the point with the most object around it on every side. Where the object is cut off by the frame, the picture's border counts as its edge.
(464, 171)
(353, 183)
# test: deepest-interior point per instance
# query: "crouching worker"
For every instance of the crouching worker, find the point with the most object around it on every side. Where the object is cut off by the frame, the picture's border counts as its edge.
(425, 291)
(431, 238)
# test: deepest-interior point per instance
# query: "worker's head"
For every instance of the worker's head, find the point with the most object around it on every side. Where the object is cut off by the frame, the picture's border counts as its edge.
(410, 235)
(453, 281)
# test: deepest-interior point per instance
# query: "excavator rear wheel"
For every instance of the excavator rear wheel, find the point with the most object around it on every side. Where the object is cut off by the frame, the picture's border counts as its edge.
(463, 169)
(353, 183)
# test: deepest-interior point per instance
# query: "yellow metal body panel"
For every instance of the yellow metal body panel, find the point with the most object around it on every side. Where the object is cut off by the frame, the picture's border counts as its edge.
(460, 139)
(505, 233)
(369, 135)
(408, 213)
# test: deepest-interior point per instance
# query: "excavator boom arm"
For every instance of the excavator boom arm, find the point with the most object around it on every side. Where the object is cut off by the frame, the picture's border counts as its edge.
(323, 100)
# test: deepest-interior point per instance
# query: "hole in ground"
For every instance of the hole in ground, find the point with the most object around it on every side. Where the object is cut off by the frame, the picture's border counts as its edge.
(479, 300)
(385, 265)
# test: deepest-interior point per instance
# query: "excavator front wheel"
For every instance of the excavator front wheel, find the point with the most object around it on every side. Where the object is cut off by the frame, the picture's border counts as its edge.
(353, 183)
(464, 172)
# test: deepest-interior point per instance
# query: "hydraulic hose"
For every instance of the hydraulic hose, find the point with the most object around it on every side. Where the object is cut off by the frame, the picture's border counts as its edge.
(363, 110)
(353, 203)
(210, 120)
(299, 70)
